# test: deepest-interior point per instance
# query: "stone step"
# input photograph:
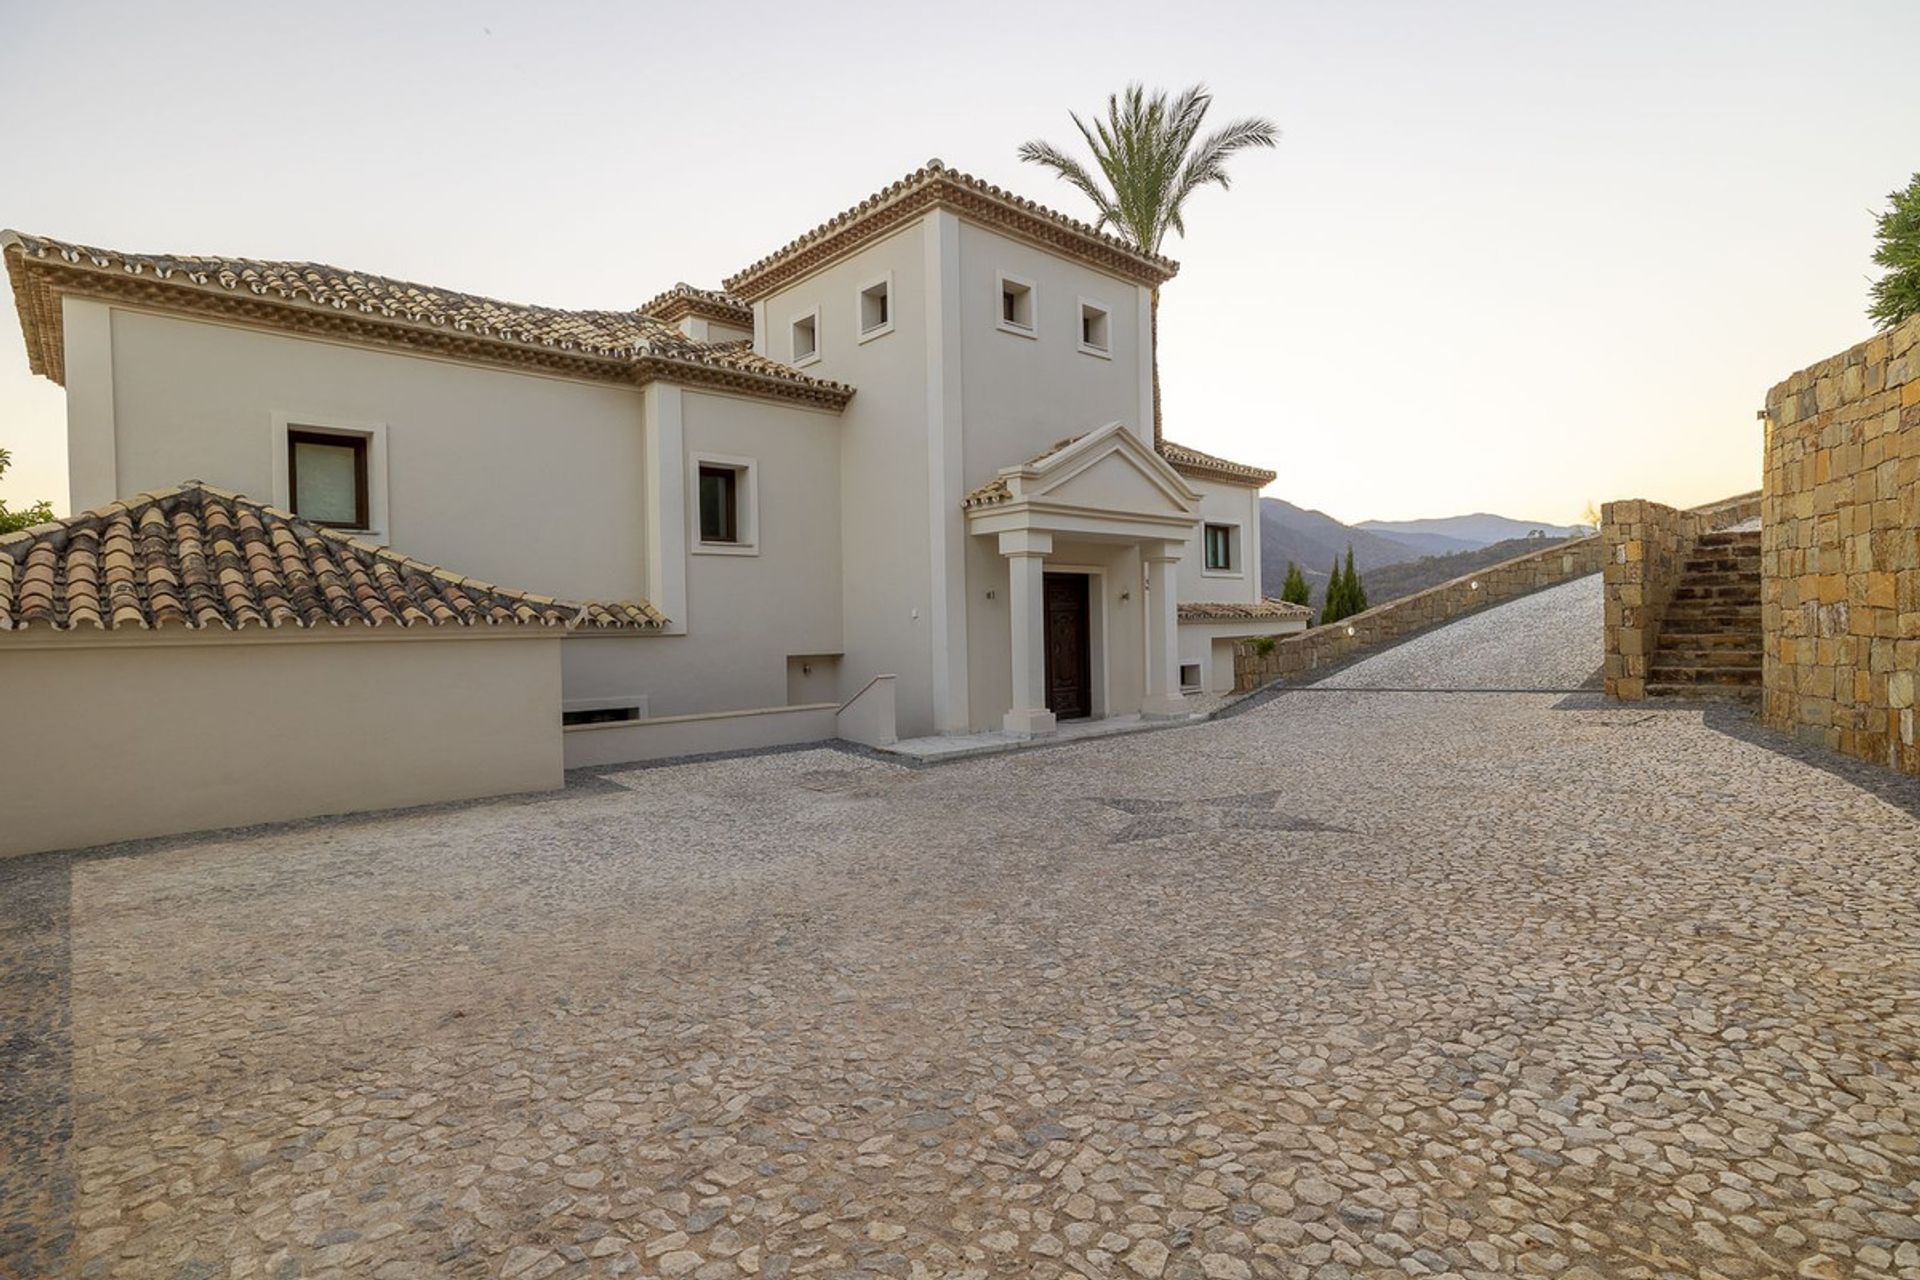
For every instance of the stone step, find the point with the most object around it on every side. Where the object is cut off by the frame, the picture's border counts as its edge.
(1706, 660)
(1720, 692)
(1675, 637)
(1708, 592)
(1713, 607)
(1674, 674)
(1721, 573)
(1729, 538)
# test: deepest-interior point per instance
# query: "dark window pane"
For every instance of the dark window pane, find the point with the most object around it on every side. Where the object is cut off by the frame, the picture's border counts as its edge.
(719, 520)
(328, 478)
(1219, 547)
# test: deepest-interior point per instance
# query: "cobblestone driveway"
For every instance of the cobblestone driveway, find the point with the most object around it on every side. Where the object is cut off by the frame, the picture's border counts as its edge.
(1352, 984)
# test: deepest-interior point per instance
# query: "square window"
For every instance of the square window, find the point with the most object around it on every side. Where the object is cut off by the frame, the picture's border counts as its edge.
(876, 308)
(719, 503)
(1016, 305)
(1093, 329)
(327, 478)
(1219, 547)
(806, 338)
(1189, 677)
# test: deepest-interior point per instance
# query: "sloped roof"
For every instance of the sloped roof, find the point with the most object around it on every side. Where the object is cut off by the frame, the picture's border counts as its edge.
(1228, 611)
(1205, 466)
(1188, 462)
(201, 558)
(934, 185)
(683, 300)
(314, 297)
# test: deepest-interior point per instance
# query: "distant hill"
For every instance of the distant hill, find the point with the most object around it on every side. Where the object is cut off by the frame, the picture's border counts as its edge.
(1390, 582)
(1313, 539)
(1395, 557)
(1460, 533)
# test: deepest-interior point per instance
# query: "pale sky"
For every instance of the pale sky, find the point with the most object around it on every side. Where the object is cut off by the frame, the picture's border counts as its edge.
(1507, 257)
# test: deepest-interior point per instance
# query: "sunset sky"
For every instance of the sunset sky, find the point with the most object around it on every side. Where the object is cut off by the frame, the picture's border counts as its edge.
(1508, 257)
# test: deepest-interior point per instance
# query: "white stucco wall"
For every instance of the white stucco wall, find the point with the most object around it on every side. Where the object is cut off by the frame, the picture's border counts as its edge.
(1230, 505)
(744, 614)
(884, 432)
(528, 481)
(152, 734)
(532, 482)
(1023, 394)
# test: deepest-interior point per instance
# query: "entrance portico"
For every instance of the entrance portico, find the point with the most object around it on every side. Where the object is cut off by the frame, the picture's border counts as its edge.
(1107, 495)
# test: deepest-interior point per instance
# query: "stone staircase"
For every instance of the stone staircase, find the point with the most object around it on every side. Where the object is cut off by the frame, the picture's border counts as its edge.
(1710, 638)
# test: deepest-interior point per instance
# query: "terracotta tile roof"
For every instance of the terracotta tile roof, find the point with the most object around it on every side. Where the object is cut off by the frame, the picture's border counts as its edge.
(622, 346)
(1204, 466)
(1224, 611)
(934, 185)
(996, 490)
(689, 300)
(198, 557)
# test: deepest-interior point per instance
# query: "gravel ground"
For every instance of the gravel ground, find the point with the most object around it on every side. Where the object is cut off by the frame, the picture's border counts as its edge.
(1354, 984)
(1551, 639)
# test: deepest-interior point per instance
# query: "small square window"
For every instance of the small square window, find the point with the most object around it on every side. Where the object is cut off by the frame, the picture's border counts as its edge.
(1093, 329)
(719, 503)
(1219, 548)
(1189, 677)
(876, 309)
(1016, 305)
(327, 478)
(806, 338)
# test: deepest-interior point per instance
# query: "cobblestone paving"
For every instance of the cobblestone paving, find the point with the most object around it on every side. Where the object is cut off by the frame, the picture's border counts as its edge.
(1552, 639)
(1354, 984)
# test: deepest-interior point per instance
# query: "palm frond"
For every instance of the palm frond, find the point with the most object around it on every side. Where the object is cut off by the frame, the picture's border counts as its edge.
(1147, 159)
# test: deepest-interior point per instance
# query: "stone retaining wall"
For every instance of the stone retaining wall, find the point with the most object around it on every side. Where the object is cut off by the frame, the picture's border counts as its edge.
(1646, 544)
(1840, 551)
(1256, 664)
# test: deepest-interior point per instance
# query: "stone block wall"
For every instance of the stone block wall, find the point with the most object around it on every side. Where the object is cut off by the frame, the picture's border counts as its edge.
(1646, 545)
(1840, 551)
(1256, 664)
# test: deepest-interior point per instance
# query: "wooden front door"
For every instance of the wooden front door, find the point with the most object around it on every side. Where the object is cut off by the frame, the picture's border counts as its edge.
(1069, 647)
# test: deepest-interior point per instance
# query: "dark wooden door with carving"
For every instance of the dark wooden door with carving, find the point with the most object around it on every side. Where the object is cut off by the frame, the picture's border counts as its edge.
(1069, 650)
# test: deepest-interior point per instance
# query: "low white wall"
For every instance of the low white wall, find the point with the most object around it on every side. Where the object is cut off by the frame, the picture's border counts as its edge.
(664, 737)
(869, 717)
(117, 736)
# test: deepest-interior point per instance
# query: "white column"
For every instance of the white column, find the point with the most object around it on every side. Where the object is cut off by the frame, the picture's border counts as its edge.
(1026, 554)
(1163, 631)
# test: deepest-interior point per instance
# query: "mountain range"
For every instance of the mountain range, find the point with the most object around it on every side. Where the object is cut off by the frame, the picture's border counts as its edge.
(1314, 540)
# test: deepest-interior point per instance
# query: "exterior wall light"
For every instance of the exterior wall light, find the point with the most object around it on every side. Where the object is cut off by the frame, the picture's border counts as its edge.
(1474, 585)
(1349, 630)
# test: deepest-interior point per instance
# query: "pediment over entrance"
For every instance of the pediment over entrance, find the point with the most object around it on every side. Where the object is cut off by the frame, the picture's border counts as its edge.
(1104, 476)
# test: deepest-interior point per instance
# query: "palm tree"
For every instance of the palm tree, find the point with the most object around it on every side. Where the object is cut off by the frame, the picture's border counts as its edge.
(1149, 163)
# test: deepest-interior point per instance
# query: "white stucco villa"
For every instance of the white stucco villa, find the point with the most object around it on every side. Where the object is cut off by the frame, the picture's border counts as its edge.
(917, 442)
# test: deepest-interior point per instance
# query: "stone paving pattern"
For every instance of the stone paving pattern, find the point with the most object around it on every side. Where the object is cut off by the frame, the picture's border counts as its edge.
(1558, 628)
(1300, 658)
(1353, 984)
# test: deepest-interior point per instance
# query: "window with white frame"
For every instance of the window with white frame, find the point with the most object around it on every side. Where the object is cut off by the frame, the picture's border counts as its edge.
(1016, 305)
(876, 308)
(806, 338)
(1094, 339)
(1221, 547)
(726, 505)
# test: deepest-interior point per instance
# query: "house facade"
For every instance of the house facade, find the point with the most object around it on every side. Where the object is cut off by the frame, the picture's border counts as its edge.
(909, 453)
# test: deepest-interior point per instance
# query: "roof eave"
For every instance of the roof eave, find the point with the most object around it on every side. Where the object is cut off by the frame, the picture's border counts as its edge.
(937, 186)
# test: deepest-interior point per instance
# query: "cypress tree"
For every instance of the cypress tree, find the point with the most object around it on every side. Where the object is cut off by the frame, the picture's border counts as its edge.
(1334, 607)
(1295, 590)
(1356, 590)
